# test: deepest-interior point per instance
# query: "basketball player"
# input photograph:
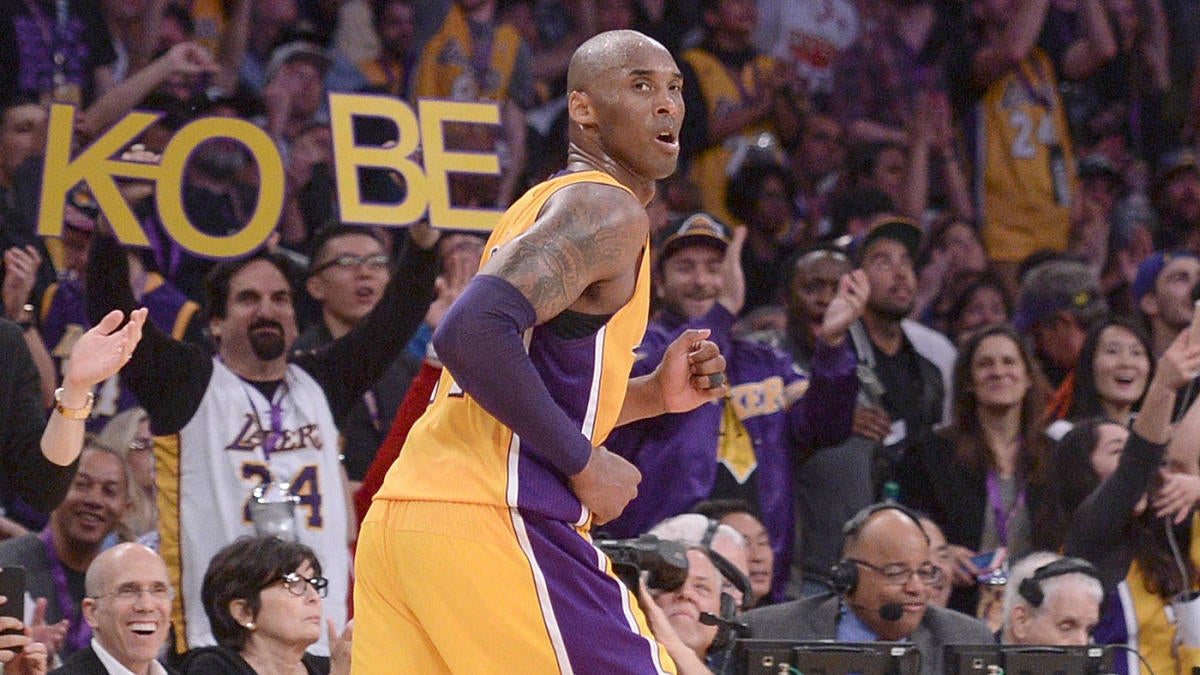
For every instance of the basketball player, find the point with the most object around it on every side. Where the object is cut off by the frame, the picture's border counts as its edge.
(475, 555)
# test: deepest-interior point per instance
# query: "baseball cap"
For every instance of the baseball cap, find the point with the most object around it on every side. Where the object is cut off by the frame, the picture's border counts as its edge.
(890, 226)
(295, 51)
(1148, 271)
(698, 228)
(1057, 285)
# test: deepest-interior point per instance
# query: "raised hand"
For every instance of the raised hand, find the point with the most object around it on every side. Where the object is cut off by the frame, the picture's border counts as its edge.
(1181, 362)
(190, 58)
(733, 280)
(52, 635)
(340, 647)
(103, 350)
(1177, 496)
(845, 308)
(21, 266)
(458, 268)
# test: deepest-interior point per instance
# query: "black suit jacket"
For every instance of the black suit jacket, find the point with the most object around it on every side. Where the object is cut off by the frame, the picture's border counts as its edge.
(816, 619)
(85, 662)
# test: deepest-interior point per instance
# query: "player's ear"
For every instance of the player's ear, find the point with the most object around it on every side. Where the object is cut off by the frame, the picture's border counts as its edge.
(580, 109)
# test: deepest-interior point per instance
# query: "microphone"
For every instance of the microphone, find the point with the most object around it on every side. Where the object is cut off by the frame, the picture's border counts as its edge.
(892, 611)
(732, 625)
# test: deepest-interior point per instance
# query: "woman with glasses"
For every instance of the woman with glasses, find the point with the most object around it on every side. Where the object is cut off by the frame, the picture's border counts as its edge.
(264, 598)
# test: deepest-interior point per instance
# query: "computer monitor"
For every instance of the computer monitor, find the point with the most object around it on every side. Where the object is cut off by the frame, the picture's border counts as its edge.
(1027, 660)
(825, 657)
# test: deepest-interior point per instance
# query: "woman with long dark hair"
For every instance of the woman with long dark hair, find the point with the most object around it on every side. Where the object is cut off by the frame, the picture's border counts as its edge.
(976, 479)
(1114, 368)
(1099, 510)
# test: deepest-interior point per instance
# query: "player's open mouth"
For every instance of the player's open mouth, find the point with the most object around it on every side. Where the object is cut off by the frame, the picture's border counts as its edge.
(143, 627)
(667, 138)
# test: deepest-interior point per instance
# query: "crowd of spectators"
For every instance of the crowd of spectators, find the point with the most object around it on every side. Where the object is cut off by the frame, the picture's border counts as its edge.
(949, 251)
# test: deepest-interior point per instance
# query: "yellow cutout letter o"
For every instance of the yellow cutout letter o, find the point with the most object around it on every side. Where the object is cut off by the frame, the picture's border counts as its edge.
(169, 194)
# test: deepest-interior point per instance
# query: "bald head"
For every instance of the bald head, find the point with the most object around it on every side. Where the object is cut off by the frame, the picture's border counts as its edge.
(598, 56)
(884, 527)
(121, 556)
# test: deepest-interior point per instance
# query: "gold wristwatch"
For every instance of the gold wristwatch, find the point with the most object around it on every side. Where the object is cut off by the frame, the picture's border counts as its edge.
(73, 413)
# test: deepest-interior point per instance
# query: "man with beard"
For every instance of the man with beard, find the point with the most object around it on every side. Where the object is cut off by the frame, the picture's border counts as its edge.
(900, 399)
(248, 417)
(1162, 290)
(909, 387)
(57, 558)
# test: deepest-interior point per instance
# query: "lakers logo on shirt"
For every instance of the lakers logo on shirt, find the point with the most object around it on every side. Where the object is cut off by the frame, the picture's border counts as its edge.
(252, 436)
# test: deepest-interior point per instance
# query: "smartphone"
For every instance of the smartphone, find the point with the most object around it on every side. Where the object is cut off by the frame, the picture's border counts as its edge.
(991, 567)
(983, 561)
(12, 587)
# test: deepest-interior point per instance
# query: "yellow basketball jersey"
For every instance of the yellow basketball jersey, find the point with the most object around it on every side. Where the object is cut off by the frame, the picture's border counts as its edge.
(1025, 168)
(457, 452)
(725, 91)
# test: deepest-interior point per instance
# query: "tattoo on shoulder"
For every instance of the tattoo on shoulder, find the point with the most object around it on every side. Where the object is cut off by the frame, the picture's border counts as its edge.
(578, 245)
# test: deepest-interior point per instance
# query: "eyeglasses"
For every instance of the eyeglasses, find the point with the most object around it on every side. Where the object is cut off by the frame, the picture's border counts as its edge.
(130, 593)
(347, 261)
(898, 574)
(298, 585)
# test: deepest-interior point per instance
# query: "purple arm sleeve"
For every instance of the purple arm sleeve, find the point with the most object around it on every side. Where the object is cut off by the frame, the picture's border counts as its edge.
(479, 341)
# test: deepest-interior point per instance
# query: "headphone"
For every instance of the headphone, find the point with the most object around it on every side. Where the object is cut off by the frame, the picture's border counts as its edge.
(729, 606)
(1031, 588)
(843, 575)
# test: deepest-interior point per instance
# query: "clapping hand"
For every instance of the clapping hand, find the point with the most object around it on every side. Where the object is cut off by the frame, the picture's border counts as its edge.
(1177, 496)
(21, 267)
(104, 349)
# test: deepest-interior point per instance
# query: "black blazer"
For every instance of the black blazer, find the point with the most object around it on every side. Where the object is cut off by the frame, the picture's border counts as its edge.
(85, 662)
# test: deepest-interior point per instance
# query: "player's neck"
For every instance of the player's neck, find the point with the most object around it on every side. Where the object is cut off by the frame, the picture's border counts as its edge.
(580, 158)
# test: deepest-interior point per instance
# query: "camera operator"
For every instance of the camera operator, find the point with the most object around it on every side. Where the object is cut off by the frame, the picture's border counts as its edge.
(702, 621)
(675, 616)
